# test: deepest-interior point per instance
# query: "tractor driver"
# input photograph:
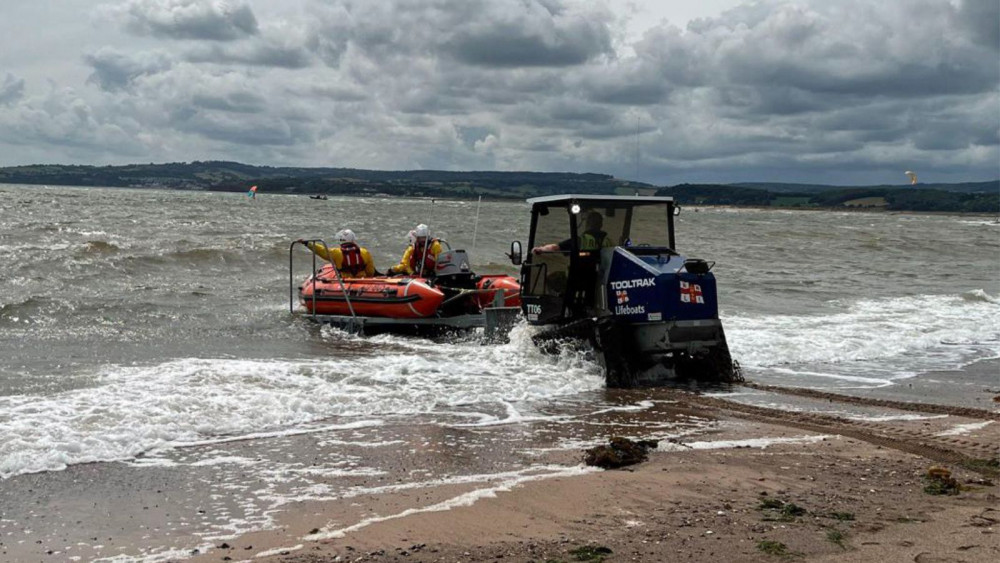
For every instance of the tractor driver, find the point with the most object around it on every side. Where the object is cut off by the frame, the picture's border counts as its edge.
(592, 237)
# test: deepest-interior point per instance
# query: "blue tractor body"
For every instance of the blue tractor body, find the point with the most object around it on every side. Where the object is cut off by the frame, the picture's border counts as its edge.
(648, 287)
(605, 269)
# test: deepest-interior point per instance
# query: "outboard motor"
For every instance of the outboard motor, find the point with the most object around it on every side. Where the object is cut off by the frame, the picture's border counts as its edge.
(453, 268)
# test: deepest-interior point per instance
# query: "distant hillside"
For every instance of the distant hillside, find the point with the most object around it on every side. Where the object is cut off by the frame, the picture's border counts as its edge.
(980, 197)
(233, 176)
(964, 187)
(890, 198)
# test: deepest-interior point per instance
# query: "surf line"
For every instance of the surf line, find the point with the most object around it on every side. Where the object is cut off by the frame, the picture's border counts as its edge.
(465, 499)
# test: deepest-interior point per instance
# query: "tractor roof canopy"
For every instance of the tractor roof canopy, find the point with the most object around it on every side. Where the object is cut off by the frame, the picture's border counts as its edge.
(591, 199)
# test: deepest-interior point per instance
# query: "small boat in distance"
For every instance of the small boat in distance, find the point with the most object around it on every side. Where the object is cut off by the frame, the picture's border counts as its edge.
(323, 197)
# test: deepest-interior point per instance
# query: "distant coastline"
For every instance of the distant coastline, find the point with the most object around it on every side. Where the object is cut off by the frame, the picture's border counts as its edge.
(221, 176)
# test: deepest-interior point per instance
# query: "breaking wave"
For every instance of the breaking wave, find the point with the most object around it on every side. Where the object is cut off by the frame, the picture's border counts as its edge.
(136, 409)
(897, 335)
(99, 247)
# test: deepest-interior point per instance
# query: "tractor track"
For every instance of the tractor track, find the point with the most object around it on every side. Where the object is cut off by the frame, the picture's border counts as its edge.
(944, 449)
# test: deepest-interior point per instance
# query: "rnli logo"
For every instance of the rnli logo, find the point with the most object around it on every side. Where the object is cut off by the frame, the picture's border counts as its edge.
(622, 296)
(691, 293)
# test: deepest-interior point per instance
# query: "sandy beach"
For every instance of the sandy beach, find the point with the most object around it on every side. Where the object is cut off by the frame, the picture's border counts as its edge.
(762, 485)
(747, 473)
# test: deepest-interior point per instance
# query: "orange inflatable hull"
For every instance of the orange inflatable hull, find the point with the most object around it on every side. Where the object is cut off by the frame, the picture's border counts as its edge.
(398, 298)
(509, 286)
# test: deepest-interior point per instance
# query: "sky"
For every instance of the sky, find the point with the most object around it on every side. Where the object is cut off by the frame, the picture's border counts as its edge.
(660, 91)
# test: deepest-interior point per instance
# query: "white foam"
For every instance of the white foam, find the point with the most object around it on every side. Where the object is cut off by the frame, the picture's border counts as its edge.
(640, 406)
(891, 417)
(571, 444)
(135, 409)
(892, 336)
(281, 433)
(278, 551)
(850, 378)
(358, 444)
(761, 443)
(512, 417)
(225, 460)
(962, 429)
(465, 499)
(982, 222)
(153, 556)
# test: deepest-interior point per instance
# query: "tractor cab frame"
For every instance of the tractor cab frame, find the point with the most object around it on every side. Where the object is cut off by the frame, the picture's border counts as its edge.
(570, 243)
(606, 269)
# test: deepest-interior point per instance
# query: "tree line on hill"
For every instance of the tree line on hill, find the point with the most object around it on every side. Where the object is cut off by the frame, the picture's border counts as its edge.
(234, 176)
(979, 197)
(890, 198)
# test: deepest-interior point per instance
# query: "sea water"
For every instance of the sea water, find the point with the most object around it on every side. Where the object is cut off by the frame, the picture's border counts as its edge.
(133, 321)
(157, 396)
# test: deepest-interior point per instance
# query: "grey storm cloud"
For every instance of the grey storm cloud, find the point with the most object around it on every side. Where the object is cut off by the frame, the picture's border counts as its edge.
(981, 19)
(487, 33)
(272, 54)
(62, 120)
(115, 70)
(11, 89)
(509, 34)
(770, 90)
(187, 19)
(848, 48)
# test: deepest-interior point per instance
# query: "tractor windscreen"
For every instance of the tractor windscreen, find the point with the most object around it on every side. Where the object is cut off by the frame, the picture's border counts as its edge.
(650, 226)
(549, 268)
(623, 225)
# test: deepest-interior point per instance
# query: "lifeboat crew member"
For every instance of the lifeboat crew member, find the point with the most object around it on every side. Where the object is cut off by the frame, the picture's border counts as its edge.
(422, 251)
(352, 260)
(592, 238)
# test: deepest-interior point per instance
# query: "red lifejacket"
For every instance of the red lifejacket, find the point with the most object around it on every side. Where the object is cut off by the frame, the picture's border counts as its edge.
(353, 262)
(429, 260)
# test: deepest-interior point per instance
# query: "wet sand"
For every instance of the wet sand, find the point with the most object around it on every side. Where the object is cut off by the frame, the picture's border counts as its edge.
(510, 486)
(843, 499)
(976, 386)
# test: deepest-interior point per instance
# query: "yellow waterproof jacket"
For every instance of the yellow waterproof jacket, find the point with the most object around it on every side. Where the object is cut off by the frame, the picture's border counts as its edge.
(336, 257)
(409, 265)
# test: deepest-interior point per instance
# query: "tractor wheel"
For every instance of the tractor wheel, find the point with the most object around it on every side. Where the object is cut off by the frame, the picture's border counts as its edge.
(615, 348)
(549, 339)
(717, 366)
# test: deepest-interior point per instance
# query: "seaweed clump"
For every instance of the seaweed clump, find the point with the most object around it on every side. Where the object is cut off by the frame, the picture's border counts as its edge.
(772, 547)
(593, 554)
(940, 482)
(620, 452)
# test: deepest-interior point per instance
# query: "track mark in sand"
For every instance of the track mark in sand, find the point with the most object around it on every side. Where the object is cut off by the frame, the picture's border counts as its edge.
(923, 444)
(967, 412)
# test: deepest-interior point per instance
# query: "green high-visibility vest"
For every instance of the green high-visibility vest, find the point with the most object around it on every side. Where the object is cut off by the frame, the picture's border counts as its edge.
(594, 241)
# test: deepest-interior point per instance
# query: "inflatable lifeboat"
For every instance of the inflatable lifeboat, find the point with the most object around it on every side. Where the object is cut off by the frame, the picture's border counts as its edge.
(455, 290)
(399, 298)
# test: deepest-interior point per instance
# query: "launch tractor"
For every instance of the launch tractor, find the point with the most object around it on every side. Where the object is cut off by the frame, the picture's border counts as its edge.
(605, 269)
